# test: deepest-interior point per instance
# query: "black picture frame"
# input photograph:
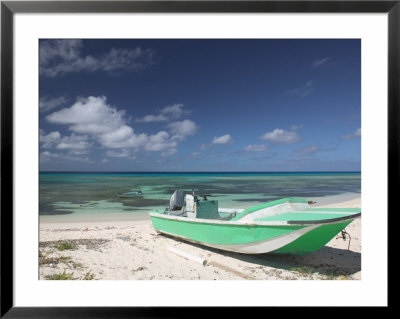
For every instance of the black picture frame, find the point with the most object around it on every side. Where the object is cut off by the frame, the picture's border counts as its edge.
(9, 8)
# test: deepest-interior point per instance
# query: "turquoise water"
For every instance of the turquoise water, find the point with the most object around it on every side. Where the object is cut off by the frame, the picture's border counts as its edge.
(67, 197)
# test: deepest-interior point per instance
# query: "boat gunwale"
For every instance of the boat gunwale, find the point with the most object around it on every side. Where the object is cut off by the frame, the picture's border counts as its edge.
(258, 223)
(331, 220)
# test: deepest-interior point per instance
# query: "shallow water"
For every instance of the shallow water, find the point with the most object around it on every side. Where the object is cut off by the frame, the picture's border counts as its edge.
(65, 197)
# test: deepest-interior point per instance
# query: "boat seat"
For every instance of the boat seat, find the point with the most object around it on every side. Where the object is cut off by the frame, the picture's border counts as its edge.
(207, 209)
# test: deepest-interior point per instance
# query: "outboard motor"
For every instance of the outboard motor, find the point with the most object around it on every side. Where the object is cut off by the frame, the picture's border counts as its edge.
(177, 200)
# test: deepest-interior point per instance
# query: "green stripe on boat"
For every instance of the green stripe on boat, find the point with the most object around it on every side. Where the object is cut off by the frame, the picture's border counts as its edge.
(226, 234)
(269, 204)
(313, 240)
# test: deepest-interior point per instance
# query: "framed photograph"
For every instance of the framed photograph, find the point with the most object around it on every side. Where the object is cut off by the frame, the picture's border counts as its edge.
(163, 154)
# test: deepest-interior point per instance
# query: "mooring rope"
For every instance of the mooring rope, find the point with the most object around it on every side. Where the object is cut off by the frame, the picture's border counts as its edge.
(344, 233)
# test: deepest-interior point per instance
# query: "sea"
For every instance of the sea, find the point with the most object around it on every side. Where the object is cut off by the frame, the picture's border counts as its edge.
(84, 197)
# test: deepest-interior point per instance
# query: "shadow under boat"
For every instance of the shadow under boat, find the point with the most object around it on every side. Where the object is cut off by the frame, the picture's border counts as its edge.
(326, 261)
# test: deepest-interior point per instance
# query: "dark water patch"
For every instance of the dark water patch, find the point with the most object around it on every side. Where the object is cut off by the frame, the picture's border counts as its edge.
(144, 209)
(84, 189)
(144, 203)
(48, 209)
(55, 212)
(91, 204)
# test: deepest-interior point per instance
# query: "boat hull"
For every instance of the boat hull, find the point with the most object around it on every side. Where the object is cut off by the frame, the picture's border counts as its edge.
(250, 238)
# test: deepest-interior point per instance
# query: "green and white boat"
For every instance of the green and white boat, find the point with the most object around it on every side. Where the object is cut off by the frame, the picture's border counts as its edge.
(285, 226)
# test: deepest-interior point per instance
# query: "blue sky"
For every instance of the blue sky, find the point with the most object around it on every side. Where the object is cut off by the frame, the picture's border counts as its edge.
(200, 105)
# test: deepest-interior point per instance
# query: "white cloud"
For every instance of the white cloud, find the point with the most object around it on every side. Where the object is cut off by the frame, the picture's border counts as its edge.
(46, 156)
(48, 103)
(49, 140)
(89, 115)
(160, 142)
(181, 129)
(152, 118)
(64, 56)
(73, 142)
(256, 148)
(224, 139)
(121, 153)
(302, 91)
(167, 113)
(309, 150)
(123, 137)
(106, 125)
(281, 136)
(175, 110)
(356, 134)
(62, 49)
(78, 151)
(321, 62)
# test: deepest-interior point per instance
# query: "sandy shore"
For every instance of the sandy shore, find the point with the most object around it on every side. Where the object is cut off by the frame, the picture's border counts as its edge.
(133, 250)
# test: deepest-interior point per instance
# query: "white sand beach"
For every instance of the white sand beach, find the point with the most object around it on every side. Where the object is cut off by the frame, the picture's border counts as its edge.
(133, 250)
